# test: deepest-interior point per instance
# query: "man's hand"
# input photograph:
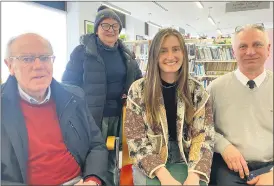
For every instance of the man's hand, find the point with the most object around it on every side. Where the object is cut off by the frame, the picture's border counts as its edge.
(235, 161)
(192, 179)
(263, 179)
(86, 183)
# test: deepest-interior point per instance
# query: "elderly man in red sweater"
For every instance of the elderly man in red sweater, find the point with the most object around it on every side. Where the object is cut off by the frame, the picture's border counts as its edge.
(48, 136)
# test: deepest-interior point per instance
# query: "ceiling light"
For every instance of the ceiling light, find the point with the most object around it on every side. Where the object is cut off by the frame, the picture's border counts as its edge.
(160, 6)
(199, 4)
(154, 24)
(116, 8)
(211, 20)
(219, 31)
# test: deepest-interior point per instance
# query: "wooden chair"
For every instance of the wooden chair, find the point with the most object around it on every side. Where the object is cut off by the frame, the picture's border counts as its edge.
(113, 143)
(126, 170)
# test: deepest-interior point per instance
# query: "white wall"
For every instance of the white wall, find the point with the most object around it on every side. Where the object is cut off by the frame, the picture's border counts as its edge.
(80, 11)
(73, 30)
(152, 30)
(130, 28)
(77, 12)
(136, 27)
(88, 11)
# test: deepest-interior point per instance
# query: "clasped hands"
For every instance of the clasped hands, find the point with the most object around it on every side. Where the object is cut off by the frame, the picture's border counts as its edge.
(192, 179)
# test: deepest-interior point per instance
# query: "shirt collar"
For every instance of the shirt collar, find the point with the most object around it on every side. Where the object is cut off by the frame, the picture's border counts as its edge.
(243, 79)
(32, 100)
(105, 47)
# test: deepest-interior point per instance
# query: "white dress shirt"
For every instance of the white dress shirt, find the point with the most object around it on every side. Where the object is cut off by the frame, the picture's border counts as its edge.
(243, 79)
(32, 100)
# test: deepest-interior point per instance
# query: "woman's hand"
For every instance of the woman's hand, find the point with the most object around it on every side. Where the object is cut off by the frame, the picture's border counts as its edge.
(192, 179)
(165, 177)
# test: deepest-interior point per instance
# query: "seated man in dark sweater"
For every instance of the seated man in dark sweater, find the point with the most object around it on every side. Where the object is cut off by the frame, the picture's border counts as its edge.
(48, 134)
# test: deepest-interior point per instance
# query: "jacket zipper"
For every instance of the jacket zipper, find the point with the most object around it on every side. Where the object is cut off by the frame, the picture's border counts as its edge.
(126, 62)
(70, 150)
(74, 129)
(100, 60)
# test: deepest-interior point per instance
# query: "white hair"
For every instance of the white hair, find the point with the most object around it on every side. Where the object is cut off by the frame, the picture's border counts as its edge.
(247, 27)
(13, 39)
(8, 48)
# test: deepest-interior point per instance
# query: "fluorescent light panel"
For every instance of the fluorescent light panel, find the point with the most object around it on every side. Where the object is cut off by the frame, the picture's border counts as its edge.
(154, 24)
(211, 20)
(116, 8)
(199, 4)
(160, 6)
(219, 31)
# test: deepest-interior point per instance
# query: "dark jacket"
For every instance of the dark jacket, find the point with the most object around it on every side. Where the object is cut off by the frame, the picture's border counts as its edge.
(84, 140)
(86, 69)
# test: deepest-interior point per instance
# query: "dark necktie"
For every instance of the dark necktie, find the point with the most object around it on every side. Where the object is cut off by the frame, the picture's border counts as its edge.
(251, 84)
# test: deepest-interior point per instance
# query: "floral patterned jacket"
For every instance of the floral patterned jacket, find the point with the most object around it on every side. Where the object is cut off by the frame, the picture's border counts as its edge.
(147, 143)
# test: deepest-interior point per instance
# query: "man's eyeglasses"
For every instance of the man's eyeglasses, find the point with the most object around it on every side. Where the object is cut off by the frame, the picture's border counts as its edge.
(106, 26)
(259, 26)
(31, 59)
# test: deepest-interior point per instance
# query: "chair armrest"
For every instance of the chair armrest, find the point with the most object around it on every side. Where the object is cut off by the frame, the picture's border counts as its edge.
(110, 142)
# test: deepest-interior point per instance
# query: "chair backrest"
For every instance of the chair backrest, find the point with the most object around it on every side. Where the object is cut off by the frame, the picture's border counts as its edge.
(126, 160)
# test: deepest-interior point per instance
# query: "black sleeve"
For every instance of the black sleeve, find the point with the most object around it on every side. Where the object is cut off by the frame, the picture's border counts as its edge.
(137, 71)
(97, 159)
(74, 70)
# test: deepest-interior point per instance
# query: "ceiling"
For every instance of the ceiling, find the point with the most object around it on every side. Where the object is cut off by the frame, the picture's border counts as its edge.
(194, 20)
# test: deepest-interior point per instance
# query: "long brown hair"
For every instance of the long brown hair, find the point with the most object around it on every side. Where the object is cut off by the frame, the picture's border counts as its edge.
(153, 88)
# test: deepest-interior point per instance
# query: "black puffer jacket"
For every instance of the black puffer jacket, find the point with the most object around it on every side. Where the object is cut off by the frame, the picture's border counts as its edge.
(86, 69)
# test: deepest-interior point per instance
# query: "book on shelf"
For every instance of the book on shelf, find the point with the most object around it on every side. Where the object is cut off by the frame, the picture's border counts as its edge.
(191, 65)
(140, 49)
(220, 52)
(209, 59)
(199, 70)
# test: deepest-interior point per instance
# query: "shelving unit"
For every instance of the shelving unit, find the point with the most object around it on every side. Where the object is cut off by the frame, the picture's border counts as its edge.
(140, 49)
(210, 59)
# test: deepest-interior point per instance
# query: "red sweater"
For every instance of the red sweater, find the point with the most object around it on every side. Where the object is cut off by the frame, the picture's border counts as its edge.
(49, 163)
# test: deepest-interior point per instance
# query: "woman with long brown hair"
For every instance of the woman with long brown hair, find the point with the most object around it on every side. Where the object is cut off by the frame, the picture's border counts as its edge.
(169, 124)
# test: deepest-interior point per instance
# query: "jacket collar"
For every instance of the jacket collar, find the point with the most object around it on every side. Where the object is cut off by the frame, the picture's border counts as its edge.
(58, 93)
(200, 98)
(31, 99)
(90, 43)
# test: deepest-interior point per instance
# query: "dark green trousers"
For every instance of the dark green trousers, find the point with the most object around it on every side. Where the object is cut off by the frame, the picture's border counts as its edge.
(177, 170)
(110, 128)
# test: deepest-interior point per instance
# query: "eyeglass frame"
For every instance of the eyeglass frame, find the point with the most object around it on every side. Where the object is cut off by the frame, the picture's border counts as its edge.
(110, 26)
(259, 26)
(19, 58)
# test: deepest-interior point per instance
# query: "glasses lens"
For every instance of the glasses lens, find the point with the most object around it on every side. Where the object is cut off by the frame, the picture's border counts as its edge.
(105, 26)
(27, 59)
(116, 26)
(45, 58)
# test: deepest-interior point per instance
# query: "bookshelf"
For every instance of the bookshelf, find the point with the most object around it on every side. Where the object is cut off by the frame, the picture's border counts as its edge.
(140, 49)
(210, 58)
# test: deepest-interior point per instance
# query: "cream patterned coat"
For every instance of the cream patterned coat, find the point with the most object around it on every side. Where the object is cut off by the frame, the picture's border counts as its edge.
(147, 143)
